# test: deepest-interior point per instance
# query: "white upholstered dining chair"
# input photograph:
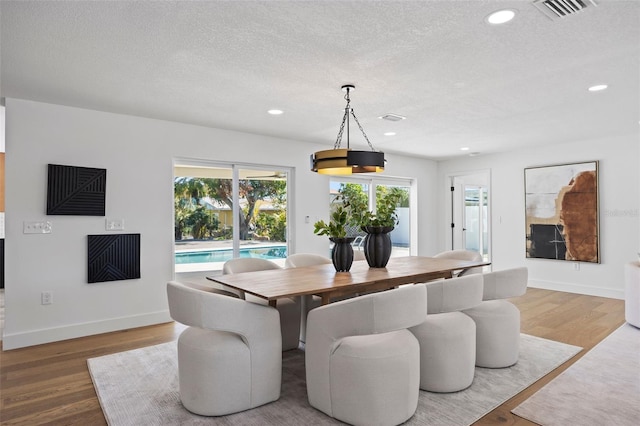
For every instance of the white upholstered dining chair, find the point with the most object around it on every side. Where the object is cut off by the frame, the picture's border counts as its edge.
(300, 260)
(498, 320)
(208, 286)
(462, 255)
(632, 293)
(362, 365)
(289, 309)
(229, 359)
(447, 337)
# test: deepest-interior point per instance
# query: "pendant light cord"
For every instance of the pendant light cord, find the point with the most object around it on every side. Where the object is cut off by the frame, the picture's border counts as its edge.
(345, 119)
(362, 130)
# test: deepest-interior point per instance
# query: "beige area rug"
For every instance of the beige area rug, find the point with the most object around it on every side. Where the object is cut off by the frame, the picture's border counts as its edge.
(601, 388)
(140, 387)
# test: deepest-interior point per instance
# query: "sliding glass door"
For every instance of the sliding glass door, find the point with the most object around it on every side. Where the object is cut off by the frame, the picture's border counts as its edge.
(225, 211)
(371, 188)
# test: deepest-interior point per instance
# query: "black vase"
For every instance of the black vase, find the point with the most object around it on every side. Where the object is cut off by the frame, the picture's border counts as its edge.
(342, 253)
(377, 245)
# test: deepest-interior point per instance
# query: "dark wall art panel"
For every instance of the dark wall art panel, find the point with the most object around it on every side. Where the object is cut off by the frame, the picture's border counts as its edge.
(547, 242)
(2, 263)
(76, 191)
(562, 212)
(113, 257)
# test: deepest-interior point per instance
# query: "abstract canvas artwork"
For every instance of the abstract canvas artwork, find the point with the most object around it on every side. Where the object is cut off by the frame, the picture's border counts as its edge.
(561, 205)
(75, 190)
(113, 257)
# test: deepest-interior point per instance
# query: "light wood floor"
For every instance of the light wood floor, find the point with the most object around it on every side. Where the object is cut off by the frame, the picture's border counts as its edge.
(50, 384)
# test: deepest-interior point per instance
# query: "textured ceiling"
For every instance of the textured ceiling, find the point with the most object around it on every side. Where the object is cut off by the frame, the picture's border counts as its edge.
(459, 81)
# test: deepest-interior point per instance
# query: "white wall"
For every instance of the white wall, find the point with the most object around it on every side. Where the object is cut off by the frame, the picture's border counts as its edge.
(1, 128)
(619, 183)
(137, 154)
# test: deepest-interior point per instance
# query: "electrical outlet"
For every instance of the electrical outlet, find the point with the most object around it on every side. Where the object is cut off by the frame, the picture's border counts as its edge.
(36, 227)
(46, 298)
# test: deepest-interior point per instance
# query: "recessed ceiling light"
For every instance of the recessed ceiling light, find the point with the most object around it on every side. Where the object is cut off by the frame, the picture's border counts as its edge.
(500, 16)
(464, 148)
(390, 133)
(598, 87)
(275, 111)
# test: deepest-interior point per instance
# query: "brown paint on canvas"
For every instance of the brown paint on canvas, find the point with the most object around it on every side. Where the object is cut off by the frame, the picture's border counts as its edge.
(578, 214)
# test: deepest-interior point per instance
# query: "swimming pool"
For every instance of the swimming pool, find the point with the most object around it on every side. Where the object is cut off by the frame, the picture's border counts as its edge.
(222, 255)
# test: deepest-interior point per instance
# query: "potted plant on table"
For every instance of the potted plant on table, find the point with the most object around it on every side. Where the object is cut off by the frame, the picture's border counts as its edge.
(377, 243)
(336, 229)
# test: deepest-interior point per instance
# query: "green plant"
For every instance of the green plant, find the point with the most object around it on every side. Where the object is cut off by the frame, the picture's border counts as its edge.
(273, 225)
(387, 201)
(337, 226)
(201, 223)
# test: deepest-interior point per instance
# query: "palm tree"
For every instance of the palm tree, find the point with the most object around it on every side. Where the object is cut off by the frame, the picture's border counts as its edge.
(187, 193)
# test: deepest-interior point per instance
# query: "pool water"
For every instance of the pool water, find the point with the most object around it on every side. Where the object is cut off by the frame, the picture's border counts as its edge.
(222, 255)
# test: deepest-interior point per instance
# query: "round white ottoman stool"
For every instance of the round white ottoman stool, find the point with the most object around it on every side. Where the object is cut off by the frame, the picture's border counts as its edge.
(632, 293)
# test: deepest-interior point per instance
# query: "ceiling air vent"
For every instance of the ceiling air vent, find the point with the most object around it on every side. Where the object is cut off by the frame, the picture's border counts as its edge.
(557, 9)
(392, 117)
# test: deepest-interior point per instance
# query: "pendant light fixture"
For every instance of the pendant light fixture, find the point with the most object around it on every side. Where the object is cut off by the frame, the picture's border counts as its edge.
(345, 161)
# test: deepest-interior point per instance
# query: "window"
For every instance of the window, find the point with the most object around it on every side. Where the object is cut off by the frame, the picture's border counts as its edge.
(226, 211)
(403, 237)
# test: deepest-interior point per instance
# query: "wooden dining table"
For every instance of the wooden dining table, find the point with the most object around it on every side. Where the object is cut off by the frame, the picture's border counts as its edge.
(324, 281)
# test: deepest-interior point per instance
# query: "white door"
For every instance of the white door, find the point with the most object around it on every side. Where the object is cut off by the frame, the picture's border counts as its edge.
(470, 225)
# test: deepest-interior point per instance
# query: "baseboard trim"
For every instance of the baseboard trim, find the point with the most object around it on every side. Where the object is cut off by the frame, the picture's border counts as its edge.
(56, 334)
(579, 289)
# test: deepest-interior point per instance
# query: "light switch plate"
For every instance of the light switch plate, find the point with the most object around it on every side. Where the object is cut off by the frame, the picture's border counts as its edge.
(114, 224)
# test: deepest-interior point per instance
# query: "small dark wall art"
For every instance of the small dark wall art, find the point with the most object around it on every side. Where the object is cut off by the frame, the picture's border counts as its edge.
(76, 191)
(561, 205)
(113, 257)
